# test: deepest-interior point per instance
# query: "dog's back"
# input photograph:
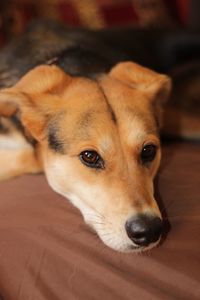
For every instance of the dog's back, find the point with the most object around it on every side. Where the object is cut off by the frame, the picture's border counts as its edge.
(87, 53)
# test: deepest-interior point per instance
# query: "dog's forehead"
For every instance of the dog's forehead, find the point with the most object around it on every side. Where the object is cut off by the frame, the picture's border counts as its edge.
(122, 97)
(85, 103)
(106, 101)
(96, 111)
(84, 115)
(84, 95)
(87, 97)
(130, 105)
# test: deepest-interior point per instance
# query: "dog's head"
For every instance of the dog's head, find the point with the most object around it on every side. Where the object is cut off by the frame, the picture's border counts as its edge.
(100, 145)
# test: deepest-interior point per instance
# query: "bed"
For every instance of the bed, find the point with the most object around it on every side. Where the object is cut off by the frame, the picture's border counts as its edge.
(48, 253)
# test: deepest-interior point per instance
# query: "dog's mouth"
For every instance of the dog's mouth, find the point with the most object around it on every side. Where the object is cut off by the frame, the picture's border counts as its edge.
(126, 246)
(139, 249)
(138, 234)
(122, 243)
(133, 247)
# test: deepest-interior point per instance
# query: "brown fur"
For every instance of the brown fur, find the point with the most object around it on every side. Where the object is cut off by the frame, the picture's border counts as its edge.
(114, 115)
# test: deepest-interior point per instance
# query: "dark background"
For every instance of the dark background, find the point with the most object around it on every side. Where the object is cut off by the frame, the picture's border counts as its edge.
(15, 14)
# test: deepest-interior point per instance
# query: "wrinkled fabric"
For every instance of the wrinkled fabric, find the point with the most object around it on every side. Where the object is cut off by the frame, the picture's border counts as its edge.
(48, 253)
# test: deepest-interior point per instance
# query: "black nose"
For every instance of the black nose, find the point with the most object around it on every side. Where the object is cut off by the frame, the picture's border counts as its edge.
(144, 229)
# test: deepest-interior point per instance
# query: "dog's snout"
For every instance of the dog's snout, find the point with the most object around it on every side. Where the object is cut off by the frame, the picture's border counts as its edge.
(144, 229)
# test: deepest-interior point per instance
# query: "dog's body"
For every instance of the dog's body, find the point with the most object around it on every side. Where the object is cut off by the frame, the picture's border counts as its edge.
(87, 53)
(95, 136)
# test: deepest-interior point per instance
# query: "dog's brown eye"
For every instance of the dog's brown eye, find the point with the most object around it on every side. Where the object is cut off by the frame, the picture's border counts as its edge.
(148, 153)
(91, 159)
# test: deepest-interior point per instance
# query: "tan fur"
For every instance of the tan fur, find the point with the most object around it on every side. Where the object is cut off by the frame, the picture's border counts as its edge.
(17, 157)
(115, 116)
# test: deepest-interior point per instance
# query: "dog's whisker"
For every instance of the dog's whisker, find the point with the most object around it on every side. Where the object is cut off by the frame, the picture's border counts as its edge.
(98, 223)
(106, 234)
(99, 217)
(93, 220)
(168, 205)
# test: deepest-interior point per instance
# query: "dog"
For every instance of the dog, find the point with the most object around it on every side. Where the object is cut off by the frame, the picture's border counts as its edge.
(92, 127)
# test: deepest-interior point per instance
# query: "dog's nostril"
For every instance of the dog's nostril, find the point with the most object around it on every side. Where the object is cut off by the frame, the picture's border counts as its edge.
(144, 229)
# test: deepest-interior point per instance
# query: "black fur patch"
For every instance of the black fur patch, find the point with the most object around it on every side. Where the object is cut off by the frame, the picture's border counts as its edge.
(113, 115)
(18, 125)
(53, 140)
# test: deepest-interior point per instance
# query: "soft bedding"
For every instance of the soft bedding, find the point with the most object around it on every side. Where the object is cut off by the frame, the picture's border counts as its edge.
(48, 253)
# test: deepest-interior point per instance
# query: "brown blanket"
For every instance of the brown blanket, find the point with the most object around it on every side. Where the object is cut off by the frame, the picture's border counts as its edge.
(48, 253)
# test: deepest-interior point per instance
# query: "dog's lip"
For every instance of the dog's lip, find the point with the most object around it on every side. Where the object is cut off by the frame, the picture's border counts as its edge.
(134, 247)
(144, 248)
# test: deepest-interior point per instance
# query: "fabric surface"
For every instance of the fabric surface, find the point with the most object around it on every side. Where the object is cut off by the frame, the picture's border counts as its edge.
(48, 253)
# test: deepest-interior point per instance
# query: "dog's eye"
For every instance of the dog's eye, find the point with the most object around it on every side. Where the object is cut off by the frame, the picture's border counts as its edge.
(148, 153)
(91, 159)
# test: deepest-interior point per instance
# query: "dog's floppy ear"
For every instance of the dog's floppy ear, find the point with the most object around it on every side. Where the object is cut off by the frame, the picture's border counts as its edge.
(156, 86)
(35, 97)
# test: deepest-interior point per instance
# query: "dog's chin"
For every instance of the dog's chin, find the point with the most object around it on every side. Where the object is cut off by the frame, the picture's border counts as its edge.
(140, 249)
(125, 245)
(131, 248)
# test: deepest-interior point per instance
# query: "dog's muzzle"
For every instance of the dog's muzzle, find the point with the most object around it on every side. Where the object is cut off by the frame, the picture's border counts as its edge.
(144, 229)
